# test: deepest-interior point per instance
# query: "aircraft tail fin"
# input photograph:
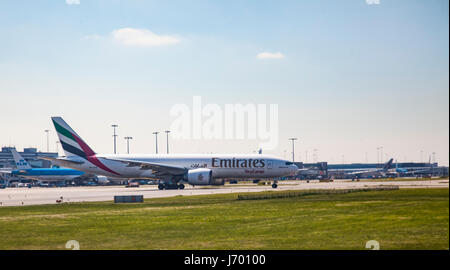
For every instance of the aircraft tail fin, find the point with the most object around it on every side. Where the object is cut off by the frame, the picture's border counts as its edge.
(71, 143)
(388, 164)
(21, 163)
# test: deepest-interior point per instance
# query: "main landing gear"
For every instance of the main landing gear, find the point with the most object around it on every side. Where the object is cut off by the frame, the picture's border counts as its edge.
(162, 186)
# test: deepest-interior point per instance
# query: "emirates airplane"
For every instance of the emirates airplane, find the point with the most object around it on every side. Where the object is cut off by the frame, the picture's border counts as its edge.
(172, 170)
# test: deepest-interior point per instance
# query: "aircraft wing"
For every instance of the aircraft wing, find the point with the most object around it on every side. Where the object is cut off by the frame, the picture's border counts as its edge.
(156, 168)
(420, 171)
(62, 161)
(363, 172)
(86, 176)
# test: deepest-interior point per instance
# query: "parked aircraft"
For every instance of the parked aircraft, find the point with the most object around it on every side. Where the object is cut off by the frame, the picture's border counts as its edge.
(373, 173)
(55, 174)
(42, 174)
(412, 171)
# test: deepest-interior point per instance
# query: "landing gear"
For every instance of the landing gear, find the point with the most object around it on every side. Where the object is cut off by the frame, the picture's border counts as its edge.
(274, 185)
(170, 186)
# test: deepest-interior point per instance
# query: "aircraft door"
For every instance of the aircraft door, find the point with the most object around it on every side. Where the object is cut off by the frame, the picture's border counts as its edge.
(269, 164)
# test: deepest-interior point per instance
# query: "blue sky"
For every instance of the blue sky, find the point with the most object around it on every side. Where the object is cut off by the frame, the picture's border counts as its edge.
(353, 77)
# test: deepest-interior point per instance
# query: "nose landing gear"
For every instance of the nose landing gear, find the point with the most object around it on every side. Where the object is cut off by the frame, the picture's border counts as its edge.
(274, 185)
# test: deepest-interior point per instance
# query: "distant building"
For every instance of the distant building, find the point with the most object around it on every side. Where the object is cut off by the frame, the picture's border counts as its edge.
(323, 169)
(368, 166)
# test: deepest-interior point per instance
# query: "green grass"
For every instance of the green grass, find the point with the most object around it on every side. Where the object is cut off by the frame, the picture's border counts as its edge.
(434, 179)
(308, 192)
(397, 219)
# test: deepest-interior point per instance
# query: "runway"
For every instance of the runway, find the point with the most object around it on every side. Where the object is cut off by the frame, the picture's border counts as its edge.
(37, 195)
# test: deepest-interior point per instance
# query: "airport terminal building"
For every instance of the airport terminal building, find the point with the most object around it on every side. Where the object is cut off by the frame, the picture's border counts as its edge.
(342, 171)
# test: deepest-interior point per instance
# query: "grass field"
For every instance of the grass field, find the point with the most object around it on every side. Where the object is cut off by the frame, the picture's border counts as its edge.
(397, 219)
(437, 179)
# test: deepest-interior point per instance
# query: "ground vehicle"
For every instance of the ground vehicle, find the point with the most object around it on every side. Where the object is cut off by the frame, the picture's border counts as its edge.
(132, 184)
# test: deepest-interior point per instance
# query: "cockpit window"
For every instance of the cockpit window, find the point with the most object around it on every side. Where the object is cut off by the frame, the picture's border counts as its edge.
(289, 163)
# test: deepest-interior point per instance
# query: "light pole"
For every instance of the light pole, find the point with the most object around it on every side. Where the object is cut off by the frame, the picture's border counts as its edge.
(156, 138)
(315, 155)
(47, 131)
(128, 143)
(167, 140)
(293, 139)
(114, 135)
(378, 155)
(432, 165)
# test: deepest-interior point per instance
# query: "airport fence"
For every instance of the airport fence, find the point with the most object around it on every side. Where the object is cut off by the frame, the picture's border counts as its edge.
(289, 194)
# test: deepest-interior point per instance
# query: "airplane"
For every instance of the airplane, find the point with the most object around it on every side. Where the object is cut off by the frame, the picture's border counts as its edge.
(373, 173)
(424, 172)
(395, 172)
(413, 172)
(398, 171)
(24, 169)
(172, 170)
(311, 172)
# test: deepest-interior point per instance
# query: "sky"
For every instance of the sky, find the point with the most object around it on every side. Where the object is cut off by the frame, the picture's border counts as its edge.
(348, 76)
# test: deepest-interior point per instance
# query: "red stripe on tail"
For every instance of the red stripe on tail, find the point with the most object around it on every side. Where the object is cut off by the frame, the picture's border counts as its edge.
(90, 155)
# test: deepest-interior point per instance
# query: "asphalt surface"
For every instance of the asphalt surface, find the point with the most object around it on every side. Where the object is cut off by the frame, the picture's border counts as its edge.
(37, 195)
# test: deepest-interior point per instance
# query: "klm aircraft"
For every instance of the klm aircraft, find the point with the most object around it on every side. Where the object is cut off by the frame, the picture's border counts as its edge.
(44, 174)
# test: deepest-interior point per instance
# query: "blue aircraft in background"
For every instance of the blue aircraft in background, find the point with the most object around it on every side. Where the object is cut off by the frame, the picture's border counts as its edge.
(45, 174)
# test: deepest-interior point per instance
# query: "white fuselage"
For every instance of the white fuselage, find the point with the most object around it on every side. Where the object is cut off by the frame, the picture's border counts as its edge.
(222, 165)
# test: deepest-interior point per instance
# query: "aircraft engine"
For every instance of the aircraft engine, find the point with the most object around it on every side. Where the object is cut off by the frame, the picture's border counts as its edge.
(202, 177)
